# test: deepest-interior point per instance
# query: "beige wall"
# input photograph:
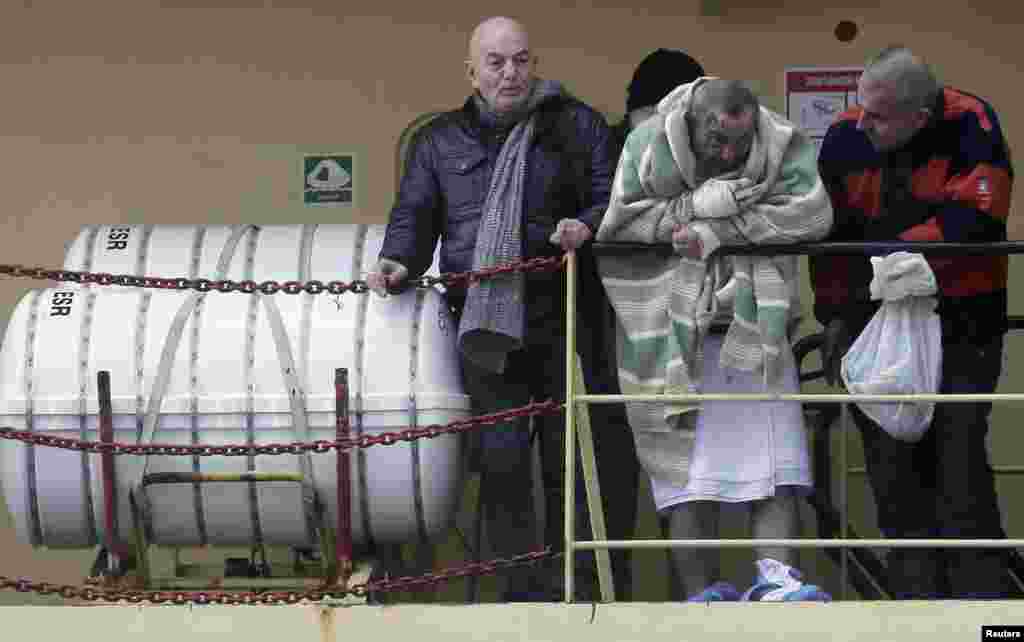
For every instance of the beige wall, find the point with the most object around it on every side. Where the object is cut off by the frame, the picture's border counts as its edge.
(165, 112)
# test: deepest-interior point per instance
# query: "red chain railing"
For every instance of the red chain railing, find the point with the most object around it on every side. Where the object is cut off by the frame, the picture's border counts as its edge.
(412, 583)
(294, 448)
(453, 279)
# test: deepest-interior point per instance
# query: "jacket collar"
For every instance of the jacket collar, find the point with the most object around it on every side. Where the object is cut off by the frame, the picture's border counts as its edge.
(469, 115)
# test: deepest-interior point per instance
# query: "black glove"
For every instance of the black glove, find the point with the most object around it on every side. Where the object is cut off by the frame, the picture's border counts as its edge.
(837, 343)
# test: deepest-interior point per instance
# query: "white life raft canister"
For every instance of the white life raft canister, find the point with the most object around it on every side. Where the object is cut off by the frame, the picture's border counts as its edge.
(219, 368)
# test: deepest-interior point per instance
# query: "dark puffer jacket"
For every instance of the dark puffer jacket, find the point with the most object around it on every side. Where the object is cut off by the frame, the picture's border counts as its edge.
(569, 173)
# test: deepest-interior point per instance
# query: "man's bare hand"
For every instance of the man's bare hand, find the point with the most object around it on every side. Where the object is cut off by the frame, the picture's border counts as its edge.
(571, 234)
(716, 198)
(748, 195)
(387, 275)
(687, 242)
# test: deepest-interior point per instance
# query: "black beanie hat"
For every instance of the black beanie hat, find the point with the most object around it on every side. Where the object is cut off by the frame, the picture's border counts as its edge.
(658, 74)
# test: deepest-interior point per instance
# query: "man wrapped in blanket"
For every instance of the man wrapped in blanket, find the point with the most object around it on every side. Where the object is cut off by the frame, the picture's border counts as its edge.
(714, 168)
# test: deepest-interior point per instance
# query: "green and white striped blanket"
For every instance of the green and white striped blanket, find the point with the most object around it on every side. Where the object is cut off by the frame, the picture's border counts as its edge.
(666, 304)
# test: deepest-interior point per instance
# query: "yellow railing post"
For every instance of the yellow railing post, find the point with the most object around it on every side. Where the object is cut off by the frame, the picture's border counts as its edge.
(592, 484)
(595, 507)
(570, 420)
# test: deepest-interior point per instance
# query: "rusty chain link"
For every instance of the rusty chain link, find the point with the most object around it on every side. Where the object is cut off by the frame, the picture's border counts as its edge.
(132, 596)
(543, 264)
(294, 448)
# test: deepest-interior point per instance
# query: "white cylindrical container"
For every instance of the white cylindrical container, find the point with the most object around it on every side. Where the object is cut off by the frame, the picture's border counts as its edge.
(232, 368)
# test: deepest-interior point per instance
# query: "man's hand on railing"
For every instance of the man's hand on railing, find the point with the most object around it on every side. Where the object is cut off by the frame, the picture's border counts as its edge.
(836, 344)
(571, 234)
(717, 198)
(687, 242)
(387, 275)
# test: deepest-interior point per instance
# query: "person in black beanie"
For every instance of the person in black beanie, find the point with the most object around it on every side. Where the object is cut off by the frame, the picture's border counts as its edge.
(658, 74)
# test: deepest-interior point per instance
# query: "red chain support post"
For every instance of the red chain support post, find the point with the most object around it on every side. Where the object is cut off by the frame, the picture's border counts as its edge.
(343, 533)
(115, 552)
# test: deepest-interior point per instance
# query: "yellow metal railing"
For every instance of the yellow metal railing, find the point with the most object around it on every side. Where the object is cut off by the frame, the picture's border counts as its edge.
(579, 420)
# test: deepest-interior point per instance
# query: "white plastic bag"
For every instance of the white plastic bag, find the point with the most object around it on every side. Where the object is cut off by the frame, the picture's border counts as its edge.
(900, 350)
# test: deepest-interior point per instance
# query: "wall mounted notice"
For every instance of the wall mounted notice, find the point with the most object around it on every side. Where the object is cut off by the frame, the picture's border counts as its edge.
(328, 180)
(816, 96)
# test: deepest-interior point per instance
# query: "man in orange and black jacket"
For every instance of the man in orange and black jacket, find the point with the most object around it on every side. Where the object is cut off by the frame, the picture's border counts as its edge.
(915, 161)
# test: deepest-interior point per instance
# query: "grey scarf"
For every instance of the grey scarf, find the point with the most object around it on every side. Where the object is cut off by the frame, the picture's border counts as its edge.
(493, 321)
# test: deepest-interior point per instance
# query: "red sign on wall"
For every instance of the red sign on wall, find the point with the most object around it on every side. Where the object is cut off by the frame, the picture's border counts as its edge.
(817, 96)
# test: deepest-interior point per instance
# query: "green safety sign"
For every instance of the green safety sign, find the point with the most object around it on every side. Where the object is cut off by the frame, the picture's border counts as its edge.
(328, 180)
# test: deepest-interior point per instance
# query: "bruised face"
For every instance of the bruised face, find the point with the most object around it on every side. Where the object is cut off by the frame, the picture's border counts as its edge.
(501, 66)
(721, 142)
(887, 124)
